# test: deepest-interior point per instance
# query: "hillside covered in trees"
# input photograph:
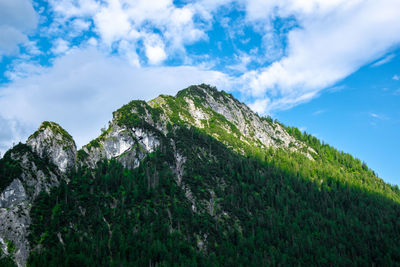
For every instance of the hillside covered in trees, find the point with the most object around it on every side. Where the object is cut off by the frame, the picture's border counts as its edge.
(194, 180)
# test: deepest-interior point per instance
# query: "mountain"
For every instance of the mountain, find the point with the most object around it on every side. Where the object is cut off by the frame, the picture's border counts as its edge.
(194, 180)
(25, 172)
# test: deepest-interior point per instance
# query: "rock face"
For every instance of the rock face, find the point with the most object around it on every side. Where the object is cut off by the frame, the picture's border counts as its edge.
(225, 118)
(55, 143)
(128, 139)
(249, 124)
(16, 199)
(50, 144)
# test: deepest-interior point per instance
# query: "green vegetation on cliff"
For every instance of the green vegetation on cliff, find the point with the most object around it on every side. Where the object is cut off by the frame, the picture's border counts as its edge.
(11, 165)
(229, 210)
(55, 128)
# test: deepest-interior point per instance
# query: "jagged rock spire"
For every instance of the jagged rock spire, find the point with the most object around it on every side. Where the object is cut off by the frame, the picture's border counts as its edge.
(53, 142)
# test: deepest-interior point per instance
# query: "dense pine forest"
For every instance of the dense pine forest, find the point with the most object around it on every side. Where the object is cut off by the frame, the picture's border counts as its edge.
(282, 211)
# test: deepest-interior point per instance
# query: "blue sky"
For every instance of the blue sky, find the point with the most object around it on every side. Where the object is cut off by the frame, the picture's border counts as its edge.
(330, 68)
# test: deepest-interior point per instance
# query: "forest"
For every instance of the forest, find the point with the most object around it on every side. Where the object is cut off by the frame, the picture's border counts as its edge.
(271, 209)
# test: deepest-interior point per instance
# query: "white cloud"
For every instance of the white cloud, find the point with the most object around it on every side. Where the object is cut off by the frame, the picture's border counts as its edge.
(384, 60)
(154, 48)
(82, 89)
(112, 23)
(243, 60)
(60, 46)
(318, 112)
(22, 69)
(137, 23)
(374, 115)
(78, 26)
(378, 116)
(32, 48)
(11, 132)
(17, 19)
(303, 129)
(335, 38)
(396, 77)
(259, 105)
(128, 50)
(11, 38)
(74, 8)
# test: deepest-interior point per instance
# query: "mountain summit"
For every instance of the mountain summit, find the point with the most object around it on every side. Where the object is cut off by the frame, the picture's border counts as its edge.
(195, 180)
(136, 127)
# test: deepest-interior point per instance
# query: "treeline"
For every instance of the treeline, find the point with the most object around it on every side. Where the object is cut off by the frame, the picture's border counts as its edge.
(361, 175)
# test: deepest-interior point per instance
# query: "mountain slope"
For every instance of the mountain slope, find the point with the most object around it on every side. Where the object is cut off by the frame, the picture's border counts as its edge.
(25, 172)
(224, 210)
(199, 179)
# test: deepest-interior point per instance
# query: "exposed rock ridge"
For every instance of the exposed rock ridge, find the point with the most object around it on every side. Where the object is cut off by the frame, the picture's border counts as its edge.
(36, 176)
(55, 143)
(132, 134)
(200, 105)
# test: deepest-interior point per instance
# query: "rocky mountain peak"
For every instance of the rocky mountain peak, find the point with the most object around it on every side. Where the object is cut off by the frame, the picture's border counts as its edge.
(134, 131)
(225, 118)
(53, 142)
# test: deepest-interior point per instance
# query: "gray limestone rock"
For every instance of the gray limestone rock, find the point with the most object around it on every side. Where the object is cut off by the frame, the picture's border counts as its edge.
(13, 194)
(55, 143)
(51, 143)
(129, 145)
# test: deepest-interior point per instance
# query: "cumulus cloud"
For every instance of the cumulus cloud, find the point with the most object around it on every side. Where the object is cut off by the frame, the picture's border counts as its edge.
(160, 26)
(17, 19)
(67, 9)
(334, 39)
(60, 46)
(82, 89)
(323, 41)
(154, 48)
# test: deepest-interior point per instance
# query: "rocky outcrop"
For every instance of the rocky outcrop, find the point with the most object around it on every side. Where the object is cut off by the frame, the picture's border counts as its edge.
(49, 145)
(16, 199)
(247, 122)
(127, 145)
(218, 112)
(13, 194)
(124, 141)
(53, 142)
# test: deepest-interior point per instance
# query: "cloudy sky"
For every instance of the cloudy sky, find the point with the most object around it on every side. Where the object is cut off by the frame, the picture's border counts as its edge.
(330, 67)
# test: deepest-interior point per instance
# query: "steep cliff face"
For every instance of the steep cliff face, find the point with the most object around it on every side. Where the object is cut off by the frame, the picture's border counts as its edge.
(132, 134)
(34, 176)
(55, 143)
(35, 167)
